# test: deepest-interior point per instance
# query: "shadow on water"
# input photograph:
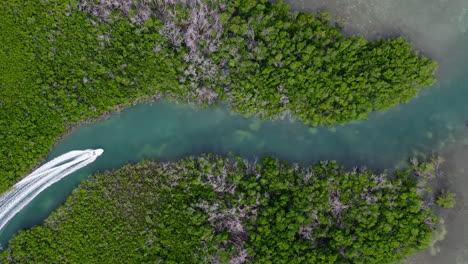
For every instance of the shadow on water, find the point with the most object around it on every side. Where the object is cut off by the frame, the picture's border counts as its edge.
(435, 121)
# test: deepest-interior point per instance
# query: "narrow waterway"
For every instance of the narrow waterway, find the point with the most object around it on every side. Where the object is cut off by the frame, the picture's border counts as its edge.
(435, 121)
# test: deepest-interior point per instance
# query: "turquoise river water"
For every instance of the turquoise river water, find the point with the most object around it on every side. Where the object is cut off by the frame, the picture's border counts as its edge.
(434, 122)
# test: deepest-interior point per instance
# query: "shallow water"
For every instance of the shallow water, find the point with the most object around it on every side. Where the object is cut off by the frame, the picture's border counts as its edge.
(168, 131)
(434, 26)
(435, 121)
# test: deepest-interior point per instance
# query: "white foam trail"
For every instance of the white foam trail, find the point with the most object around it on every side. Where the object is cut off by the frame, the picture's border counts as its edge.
(28, 188)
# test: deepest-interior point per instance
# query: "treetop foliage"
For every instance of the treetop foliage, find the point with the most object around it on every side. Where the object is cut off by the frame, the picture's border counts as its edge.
(293, 63)
(212, 209)
(63, 62)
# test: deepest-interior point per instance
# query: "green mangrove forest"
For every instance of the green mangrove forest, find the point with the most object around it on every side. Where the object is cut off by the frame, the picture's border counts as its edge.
(66, 62)
(213, 209)
(63, 62)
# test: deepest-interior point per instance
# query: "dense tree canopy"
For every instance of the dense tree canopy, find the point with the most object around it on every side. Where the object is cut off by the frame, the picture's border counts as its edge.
(215, 210)
(58, 68)
(282, 62)
(63, 62)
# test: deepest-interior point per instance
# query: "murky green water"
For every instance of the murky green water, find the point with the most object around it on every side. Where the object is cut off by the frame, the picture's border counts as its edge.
(435, 121)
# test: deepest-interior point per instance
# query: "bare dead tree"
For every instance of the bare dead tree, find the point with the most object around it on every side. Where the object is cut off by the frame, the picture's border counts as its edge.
(305, 232)
(308, 174)
(369, 197)
(230, 220)
(241, 256)
(200, 32)
(337, 207)
(380, 181)
(220, 182)
(138, 11)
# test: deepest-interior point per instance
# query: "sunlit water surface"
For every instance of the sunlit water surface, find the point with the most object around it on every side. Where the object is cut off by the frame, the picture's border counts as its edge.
(436, 121)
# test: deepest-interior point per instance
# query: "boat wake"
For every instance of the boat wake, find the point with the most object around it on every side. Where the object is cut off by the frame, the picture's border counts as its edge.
(28, 188)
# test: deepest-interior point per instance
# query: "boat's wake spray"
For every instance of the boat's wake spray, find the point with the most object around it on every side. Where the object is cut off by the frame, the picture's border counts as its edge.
(25, 190)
